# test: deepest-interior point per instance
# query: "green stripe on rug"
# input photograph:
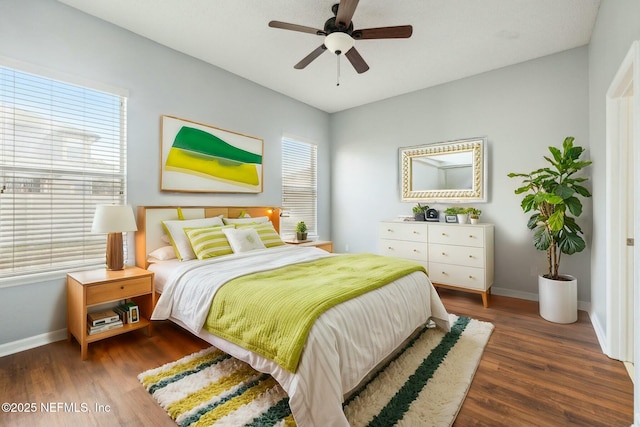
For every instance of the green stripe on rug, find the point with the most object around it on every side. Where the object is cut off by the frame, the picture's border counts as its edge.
(399, 405)
(426, 380)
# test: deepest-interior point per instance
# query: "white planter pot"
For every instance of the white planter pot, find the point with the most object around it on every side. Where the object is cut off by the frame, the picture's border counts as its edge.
(474, 220)
(558, 299)
(462, 218)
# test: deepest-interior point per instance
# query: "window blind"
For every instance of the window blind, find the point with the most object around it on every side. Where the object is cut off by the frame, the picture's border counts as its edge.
(62, 152)
(299, 187)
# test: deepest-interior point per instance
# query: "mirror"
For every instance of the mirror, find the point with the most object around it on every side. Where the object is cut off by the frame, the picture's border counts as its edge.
(450, 171)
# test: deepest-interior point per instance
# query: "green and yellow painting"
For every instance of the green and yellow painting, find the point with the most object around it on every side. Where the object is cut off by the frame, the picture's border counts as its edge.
(201, 158)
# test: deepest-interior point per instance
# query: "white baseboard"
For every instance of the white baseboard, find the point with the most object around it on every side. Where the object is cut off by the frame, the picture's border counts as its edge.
(514, 294)
(61, 334)
(530, 296)
(600, 333)
(32, 342)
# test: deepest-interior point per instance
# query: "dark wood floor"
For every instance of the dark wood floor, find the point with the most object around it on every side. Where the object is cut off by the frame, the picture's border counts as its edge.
(533, 373)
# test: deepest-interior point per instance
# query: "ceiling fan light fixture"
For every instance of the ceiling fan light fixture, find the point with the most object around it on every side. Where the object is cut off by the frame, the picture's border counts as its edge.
(339, 42)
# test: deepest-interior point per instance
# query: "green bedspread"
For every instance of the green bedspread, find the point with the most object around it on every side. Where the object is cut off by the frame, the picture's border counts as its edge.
(271, 313)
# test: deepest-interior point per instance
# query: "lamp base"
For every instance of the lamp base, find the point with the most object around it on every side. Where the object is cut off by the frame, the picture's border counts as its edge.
(115, 256)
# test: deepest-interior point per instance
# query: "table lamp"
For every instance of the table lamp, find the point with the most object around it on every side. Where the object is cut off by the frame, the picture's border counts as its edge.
(114, 219)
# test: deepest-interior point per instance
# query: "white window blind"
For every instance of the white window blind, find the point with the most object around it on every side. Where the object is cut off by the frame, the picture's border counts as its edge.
(62, 152)
(299, 186)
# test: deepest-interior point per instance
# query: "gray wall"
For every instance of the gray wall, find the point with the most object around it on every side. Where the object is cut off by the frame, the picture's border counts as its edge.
(522, 110)
(616, 28)
(160, 81)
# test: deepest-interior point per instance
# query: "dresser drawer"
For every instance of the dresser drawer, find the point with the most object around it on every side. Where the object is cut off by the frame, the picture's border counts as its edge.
(415, 232)
(457, 235)
(467, 256)
(403, 249)
(465, 277)
(117, 290)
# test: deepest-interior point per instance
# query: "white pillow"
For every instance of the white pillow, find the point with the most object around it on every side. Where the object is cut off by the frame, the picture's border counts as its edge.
(179, 240)
(243, 240)
(246, 220)
(267, 233)
(162, 254)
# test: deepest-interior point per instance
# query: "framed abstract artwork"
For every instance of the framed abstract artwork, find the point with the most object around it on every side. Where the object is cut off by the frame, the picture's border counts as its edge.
(199, 158)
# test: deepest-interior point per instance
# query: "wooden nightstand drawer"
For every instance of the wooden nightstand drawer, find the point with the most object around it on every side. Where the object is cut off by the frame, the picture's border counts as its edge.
(118, 290)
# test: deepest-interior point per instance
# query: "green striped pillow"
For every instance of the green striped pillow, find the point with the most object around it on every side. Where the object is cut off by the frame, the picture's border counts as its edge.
(267, 233)
(209, 242)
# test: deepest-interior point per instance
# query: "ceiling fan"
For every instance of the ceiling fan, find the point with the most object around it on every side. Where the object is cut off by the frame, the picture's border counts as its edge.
(340, 37)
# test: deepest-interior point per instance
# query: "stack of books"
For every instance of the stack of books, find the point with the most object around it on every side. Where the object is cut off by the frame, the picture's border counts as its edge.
(128, 312)
(102, 321)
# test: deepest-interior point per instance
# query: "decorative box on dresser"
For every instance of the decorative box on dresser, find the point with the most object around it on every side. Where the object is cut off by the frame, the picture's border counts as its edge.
(456, 256)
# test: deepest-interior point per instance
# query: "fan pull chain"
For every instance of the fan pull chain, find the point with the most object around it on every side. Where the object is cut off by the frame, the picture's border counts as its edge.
(338, 76)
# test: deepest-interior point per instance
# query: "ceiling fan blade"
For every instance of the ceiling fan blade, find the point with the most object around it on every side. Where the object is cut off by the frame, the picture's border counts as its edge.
(295, 27)
(313, 55)
(356, 60)
(345, 12)
(398, 32)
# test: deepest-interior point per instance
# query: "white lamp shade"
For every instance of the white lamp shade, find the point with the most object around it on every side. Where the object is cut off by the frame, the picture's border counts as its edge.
(113, 219)
(338, 42)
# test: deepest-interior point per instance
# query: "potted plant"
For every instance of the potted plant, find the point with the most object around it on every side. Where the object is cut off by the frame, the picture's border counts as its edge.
(419, 211)
(474, 215)
(551, 193)
(460, 212)
(301, 231)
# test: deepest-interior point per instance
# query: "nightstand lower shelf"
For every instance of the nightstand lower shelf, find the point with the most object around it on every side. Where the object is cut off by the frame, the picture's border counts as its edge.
(127, 327)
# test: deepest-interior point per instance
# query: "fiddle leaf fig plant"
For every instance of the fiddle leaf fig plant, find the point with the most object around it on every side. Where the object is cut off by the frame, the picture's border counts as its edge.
(551, 193)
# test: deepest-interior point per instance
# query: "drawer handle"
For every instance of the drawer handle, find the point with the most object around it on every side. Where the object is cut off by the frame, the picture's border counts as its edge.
(415, 232)
(390, 248)
(390, 230)
(444, 272)
(470, 256)
(443, 253)
(471, 236)
(416, 251)
(470, 277)
(122, 287)
(444, 234)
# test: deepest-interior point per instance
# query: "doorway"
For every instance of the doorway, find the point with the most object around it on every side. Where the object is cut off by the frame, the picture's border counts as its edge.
(623, 217)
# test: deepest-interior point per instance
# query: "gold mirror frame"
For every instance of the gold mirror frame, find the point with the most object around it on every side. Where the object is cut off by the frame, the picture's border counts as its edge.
(477, 193)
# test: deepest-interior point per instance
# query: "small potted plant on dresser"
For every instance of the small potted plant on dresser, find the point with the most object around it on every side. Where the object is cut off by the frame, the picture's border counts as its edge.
(301, 231)
(552, 194)
(474, 215)
(419, 212)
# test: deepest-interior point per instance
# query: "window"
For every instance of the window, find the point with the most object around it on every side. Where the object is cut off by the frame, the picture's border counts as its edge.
(62, 152)
(299, 186)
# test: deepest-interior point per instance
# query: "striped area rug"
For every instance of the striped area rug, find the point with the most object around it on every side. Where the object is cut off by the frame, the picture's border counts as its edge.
(424, 384)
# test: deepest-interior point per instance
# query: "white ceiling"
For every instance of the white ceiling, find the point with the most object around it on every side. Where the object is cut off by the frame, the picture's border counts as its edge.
(451, 39)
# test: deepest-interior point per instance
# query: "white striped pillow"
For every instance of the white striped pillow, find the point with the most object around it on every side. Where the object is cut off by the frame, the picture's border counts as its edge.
(209, 242)
(267, 233)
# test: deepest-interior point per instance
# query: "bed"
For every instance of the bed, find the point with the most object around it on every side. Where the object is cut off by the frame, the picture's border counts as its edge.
(344, 344)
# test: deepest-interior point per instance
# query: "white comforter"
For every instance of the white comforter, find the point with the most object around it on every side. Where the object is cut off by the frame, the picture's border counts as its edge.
(345, 343)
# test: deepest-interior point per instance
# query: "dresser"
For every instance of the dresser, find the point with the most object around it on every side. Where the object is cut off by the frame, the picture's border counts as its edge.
(456, 256)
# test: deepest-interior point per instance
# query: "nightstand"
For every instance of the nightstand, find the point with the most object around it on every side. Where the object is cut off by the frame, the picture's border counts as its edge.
(86, 289)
